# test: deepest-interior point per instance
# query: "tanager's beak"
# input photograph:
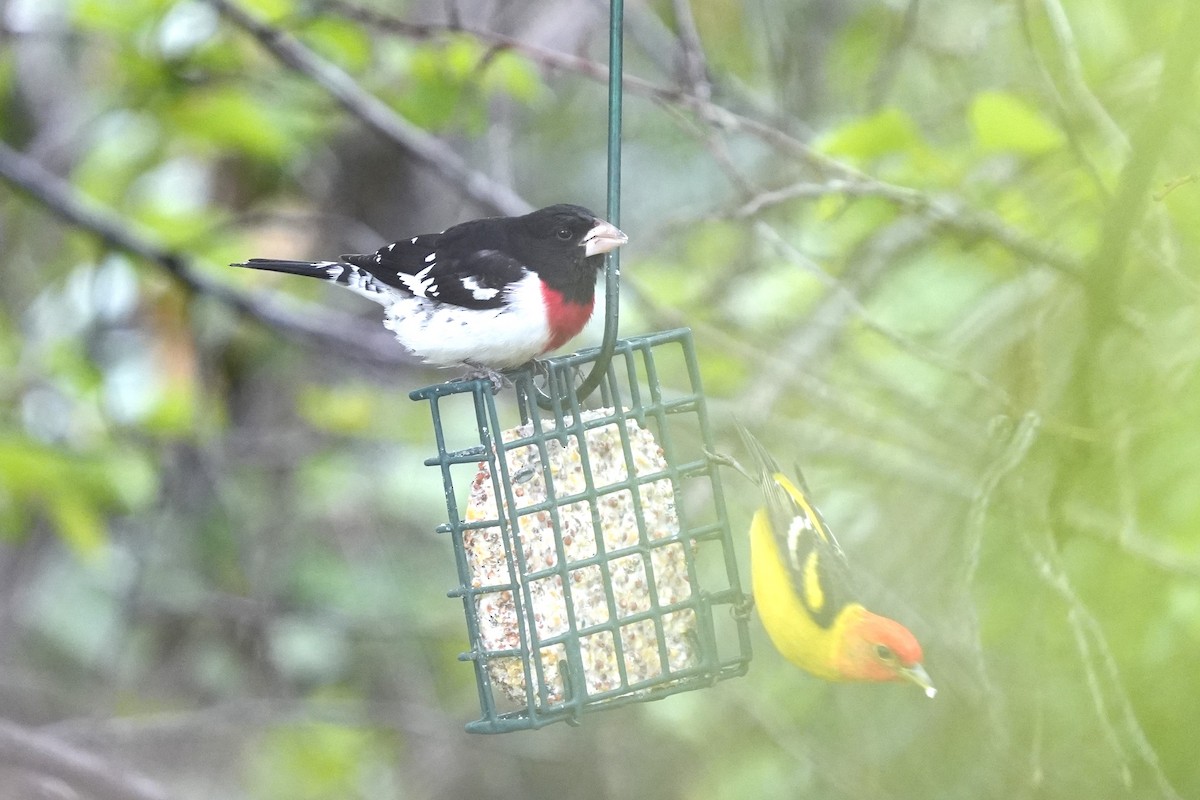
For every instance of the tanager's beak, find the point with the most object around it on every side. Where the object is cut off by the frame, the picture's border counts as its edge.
(603, 238)
(917, 674)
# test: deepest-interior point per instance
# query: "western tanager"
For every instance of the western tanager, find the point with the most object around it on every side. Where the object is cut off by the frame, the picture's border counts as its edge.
(804, 593)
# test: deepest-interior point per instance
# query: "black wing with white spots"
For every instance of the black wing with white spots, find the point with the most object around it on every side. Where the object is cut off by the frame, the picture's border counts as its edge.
(820, 575)
(475, 279)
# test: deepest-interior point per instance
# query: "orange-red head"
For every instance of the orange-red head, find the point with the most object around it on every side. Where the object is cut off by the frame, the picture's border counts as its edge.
(875, 648)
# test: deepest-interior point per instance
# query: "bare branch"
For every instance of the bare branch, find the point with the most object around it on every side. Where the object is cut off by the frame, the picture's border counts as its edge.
(1009, 457)
(87, 771)
(1174, 184)
(950, 213)
(842, 301)
(1065, 116)
(1107, 263)
(348, 335)
(1076, 82)
(421, 146)
(1103, 677)
(695, 66)
(889, 63)
(802, 190)
(1148, 549)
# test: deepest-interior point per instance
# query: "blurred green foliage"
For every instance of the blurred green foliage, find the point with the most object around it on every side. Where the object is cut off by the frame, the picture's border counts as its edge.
(913, 245)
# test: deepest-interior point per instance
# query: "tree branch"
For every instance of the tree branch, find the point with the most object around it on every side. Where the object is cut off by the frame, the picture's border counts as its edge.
(1117, 718)
(827, 320)
(1076, 82)
(694, 64)
(346, 334)
(949, 212)
(1065, 115)
(421, 146)
(884, 77)
(1175, 89)
(94, 775)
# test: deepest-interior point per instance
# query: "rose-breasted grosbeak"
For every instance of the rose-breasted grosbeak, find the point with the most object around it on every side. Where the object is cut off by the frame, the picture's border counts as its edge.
(490, 294)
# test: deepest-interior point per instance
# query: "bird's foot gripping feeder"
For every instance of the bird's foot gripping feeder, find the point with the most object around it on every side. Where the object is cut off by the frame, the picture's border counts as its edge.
(594, 555)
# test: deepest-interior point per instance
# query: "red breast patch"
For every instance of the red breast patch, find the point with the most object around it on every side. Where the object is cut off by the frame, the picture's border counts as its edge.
(565, 319)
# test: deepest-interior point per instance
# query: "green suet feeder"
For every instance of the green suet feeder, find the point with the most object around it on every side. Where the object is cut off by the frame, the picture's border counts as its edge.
(595, 561)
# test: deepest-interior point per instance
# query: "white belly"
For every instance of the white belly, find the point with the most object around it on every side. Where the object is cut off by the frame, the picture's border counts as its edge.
(499, 338)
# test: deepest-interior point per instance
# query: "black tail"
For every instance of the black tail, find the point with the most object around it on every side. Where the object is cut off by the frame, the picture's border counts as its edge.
(354, 278)
(764, 463)
(326, 270)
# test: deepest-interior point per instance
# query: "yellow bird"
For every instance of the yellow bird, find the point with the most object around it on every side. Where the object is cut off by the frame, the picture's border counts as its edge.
(803, 591)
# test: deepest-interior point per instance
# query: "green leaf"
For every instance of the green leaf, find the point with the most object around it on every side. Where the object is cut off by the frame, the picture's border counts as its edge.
(341, 41)
(73, 490)
(338, 409)
(316, 761)
(460, 58)
(117, 16)
(229, 117)
(889, 131)
(126, 144)
(515, 76)
(1003, 122)
(131, 478)
(175, 412)
(448, 83)
(79, 525)
(270, 10)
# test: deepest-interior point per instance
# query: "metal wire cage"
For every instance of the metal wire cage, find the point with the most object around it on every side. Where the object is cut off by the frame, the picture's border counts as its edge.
(594, 555)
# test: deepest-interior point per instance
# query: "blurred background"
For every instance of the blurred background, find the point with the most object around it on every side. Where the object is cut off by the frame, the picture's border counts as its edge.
(942, 253)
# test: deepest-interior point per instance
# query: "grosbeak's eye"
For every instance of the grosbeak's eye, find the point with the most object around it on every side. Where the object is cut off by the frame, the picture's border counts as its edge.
(563, 233)
(884, 653)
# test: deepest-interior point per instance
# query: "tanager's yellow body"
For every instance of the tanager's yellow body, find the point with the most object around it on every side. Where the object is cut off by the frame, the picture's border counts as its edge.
(803, 593)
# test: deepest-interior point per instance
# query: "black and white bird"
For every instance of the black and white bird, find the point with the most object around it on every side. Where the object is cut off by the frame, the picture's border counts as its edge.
(490, 294)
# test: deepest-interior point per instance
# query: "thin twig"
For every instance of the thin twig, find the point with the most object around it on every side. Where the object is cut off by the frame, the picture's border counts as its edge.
(694, 64)
(1172, 185)
(1119, 224)
(802, 190)
(1065, 115)
(1006, 461)
(1108, 261)
(1077, 85)
(843, 300)
(1100, 670)
(93, 775)
(348, 335)
(373, 112)
(951, 213)
(713, 140)
(1016, 449)
(1086, 519)
(889, 63)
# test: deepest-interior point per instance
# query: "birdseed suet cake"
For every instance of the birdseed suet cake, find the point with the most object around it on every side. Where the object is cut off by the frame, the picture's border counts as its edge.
(592, 548)
(614, 578)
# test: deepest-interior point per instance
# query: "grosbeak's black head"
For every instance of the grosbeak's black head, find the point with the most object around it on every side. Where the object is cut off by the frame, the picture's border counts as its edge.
(566, 237)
